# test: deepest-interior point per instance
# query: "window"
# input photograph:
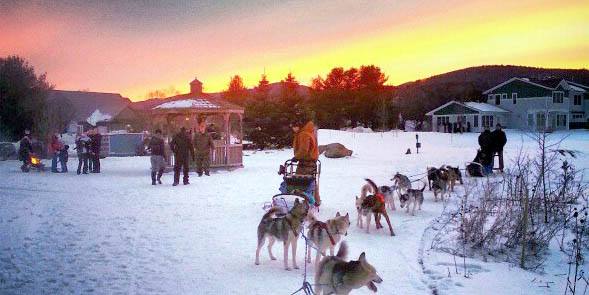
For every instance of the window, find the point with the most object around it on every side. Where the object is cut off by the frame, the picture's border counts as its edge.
(487, 121)
(557, 97)
(497, 99)
(503, 95)
(490, 97)
(577, 100)
(540, 120)
(514, 97)
(530, 120)
(561, 120)
(476, 121)
(578, 116)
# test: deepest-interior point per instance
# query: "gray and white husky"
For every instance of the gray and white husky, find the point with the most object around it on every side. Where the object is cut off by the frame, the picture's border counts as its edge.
(285, 229)
(326, 234)
(335, 275)
(412, 196)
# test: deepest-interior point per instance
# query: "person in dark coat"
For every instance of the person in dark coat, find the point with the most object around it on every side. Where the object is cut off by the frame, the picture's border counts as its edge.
(183, 152)
(82, 149)
(158, 157)
(486, 144)
(25, 150)
(96, 141)
(203, 146)
(499, 140)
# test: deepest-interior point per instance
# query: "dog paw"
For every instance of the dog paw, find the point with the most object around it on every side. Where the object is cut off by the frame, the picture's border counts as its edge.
(273, 258)
(296, 267)
(287, 268)
(257, 263)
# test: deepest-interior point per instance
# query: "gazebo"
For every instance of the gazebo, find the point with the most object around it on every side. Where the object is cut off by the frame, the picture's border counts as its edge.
(224, 121)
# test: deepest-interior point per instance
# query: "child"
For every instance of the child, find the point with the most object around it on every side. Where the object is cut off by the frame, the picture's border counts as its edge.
(63, 158)
(203, 145)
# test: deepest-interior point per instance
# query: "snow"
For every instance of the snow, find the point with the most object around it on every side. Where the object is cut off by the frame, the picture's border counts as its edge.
(573, 87)
(114, 232)
(485, 107)
(97, 116)
(188, 103)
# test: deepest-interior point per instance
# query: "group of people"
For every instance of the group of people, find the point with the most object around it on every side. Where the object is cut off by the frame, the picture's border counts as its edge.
(88, 151)
(491, 144)
(198, 148)
(456, 127)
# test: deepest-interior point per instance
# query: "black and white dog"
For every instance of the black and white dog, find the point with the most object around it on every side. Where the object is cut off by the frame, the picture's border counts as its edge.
(414, 196)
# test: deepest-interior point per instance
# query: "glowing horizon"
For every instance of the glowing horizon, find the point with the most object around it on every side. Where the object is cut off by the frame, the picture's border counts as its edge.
(92, 48)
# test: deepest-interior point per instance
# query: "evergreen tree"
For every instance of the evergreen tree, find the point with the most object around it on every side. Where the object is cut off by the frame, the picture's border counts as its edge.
(236, 91)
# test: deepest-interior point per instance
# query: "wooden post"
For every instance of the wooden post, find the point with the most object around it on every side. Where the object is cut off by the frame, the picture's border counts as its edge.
(227, 137)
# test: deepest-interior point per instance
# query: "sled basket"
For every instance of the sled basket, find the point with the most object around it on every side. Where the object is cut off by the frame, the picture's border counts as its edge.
(285, 202)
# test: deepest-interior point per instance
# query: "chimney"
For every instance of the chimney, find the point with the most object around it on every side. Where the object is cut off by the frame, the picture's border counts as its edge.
(195, 87)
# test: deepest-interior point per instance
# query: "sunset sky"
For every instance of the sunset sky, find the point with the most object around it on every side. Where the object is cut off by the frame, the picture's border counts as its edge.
(141, 46)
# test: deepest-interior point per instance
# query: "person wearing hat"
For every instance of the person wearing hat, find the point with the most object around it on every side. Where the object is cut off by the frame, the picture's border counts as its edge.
(499, 140)
(183, 152)
(306, 151)
(157, 159)
(24, 151)
(203, 147)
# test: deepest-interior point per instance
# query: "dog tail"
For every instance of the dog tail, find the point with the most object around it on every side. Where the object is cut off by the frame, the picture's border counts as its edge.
(366, 189)
(342, 253)
(373, 185)
(270, 213)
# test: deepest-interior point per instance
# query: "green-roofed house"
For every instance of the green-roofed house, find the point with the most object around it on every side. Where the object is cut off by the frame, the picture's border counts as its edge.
(472, 116)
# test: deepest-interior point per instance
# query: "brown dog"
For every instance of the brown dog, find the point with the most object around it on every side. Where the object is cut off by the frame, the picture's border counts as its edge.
(375, 204)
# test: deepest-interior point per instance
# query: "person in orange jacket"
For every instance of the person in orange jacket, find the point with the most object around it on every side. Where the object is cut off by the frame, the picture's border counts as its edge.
(306, 151)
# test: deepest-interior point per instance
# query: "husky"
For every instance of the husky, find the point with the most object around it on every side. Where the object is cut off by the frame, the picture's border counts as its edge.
(454, 175)
(414, 196)
(327, 234)
(389, 195)
(335, 275)
(285, 229)
(373, 204)
(402, 182)
(366, 189)
(440, 184)
(432, 173)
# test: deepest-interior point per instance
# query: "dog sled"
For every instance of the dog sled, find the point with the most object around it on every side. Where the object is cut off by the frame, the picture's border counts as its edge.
(295, 186)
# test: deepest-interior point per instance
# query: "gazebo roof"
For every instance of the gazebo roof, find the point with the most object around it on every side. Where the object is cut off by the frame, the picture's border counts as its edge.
(194, 103)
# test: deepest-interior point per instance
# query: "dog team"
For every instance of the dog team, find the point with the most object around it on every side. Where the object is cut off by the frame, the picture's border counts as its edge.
(334, 274)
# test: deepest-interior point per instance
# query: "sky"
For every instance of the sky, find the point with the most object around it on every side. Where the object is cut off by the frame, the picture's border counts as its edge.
(134, 47)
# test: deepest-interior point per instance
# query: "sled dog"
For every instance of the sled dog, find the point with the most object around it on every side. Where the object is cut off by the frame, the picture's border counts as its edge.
(402, 182)
(440, 184)
(326, 234)
(335, 275)
(413, 196)
(374, 204)
(285, 229)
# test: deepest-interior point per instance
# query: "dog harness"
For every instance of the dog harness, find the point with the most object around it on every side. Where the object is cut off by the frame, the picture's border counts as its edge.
(322, 225)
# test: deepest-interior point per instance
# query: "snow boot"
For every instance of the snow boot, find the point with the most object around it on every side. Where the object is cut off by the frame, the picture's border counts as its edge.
(153, 177)
(159, 176)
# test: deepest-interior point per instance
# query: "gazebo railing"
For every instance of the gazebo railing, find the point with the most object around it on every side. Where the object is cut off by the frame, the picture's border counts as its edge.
(221, 156)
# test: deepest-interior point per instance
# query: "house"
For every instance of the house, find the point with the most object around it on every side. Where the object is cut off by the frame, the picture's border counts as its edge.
(108, 111)
(539, 105)
(521, 103)
(471, 116)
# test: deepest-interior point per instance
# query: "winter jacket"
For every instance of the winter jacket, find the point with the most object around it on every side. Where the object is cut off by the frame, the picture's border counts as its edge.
(55, 145)
(95, 143)
(82, 145)
(486, 141)
(181, 146)
(156, 146)
(305, 144)
(203, 143)
(499, 140)
(25, 149)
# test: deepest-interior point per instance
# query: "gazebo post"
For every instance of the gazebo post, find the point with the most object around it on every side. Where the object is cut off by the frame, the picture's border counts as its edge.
(227, 137)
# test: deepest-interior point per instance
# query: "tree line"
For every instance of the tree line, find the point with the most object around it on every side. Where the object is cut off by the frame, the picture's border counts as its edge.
(24, 102)
(343, 98)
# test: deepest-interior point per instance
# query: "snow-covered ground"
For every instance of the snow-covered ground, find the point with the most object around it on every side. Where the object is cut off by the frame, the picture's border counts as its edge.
(115, 233)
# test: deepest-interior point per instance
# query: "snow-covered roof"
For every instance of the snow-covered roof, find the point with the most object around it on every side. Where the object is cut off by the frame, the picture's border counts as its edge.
(485, 107)
(525, 80)
(573, 87)
(198, 103)
(98, 116)
(474, 106)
